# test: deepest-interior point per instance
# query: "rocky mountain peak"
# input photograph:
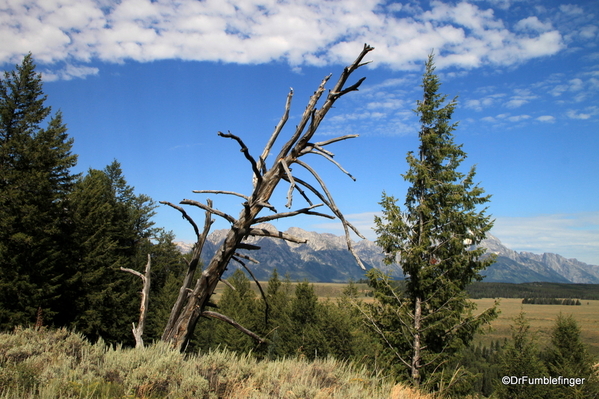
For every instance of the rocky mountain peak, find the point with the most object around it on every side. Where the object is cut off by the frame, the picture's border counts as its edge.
(325, 258)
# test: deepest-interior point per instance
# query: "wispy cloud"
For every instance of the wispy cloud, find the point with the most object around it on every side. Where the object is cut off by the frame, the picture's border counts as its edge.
(583, 114)
(546, 119)
(299, 32)
(522, 96)
(572, 235)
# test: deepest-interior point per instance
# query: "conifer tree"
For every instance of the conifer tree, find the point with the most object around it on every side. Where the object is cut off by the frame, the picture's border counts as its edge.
(111, 226)
(567, 356)
(520, 357)
(433, 240)
(278, 324)
(239, 304)
(35, 180)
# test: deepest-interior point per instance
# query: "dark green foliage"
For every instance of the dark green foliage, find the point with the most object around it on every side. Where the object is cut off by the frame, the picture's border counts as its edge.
(35, 180)
(111, 223)
(168, 268)
(433, 238)
(298, 324)
(551, 301)
(567, 356)
(520, 357)
(533, 290)
(240, 305)
(484, 368)
(277, 329)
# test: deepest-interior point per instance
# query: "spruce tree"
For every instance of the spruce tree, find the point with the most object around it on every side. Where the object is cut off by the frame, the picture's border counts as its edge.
(35, 179)
(112, 228)
(520, 357)
(567, 356)
(240, 305)
(434, 240)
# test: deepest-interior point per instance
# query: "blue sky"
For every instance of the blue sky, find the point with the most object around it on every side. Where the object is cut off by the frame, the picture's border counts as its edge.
(151, 83)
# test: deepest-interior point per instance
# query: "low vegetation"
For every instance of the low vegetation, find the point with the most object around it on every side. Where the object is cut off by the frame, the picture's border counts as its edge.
(42, 363)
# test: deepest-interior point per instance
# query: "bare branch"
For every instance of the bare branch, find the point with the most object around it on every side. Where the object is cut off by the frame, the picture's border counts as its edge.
(305, 211)
(337, 212)
(329, 201)
(265, 184)
(305, 118)
(333, 96)
(328, 157)
(138, 331)
(246, 152)
(275, 134)
(135, 272)
(245, 197)
(291, 183)
(278, 234)
(229, 218)
(191, 269)
(353, 87)
(331, 141)
(249, 247)
(185, 216)
(234, 324)
(266, 205)
(247, 257)
(228, 284)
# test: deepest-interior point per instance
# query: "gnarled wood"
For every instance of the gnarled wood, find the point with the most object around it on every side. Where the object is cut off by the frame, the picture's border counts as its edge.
(138, 331)
(265, 180)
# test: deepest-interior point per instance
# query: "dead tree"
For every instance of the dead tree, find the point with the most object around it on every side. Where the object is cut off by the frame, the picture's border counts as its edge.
(192, 301)
(138, 331)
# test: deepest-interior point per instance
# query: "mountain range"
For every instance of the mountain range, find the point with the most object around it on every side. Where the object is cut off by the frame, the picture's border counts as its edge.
(325, 258)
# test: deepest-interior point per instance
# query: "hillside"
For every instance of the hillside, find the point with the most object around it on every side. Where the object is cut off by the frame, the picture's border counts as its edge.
(325, 258)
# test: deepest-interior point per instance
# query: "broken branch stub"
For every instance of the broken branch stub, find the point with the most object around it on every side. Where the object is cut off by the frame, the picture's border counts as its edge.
(192, 302)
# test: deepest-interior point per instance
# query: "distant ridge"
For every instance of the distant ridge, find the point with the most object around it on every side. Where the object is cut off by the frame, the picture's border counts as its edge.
(325, 258)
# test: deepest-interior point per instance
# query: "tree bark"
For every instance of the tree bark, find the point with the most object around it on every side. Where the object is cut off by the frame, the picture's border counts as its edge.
(415, 369)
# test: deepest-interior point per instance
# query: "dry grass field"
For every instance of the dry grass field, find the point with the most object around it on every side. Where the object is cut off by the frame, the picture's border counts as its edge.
(542, 319)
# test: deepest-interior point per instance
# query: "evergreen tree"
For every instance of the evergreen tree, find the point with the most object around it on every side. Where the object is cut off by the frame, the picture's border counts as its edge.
(240, 305)
(35, 180)
(111, 225)
(278, 327)
(433, 239)
(305, 313)
(519, 358)
(567, 356)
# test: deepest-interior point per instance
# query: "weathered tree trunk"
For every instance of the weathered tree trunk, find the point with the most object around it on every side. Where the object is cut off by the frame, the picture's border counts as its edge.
(415, 369)
(192, 302)
(138, 331)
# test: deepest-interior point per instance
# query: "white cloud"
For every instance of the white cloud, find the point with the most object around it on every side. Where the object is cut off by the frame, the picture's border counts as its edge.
(300, 32)
(533, 24)
(587, 113)
(574, 235)
(546, 119)
(69, 72)
(522, 97)
(518, 118)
